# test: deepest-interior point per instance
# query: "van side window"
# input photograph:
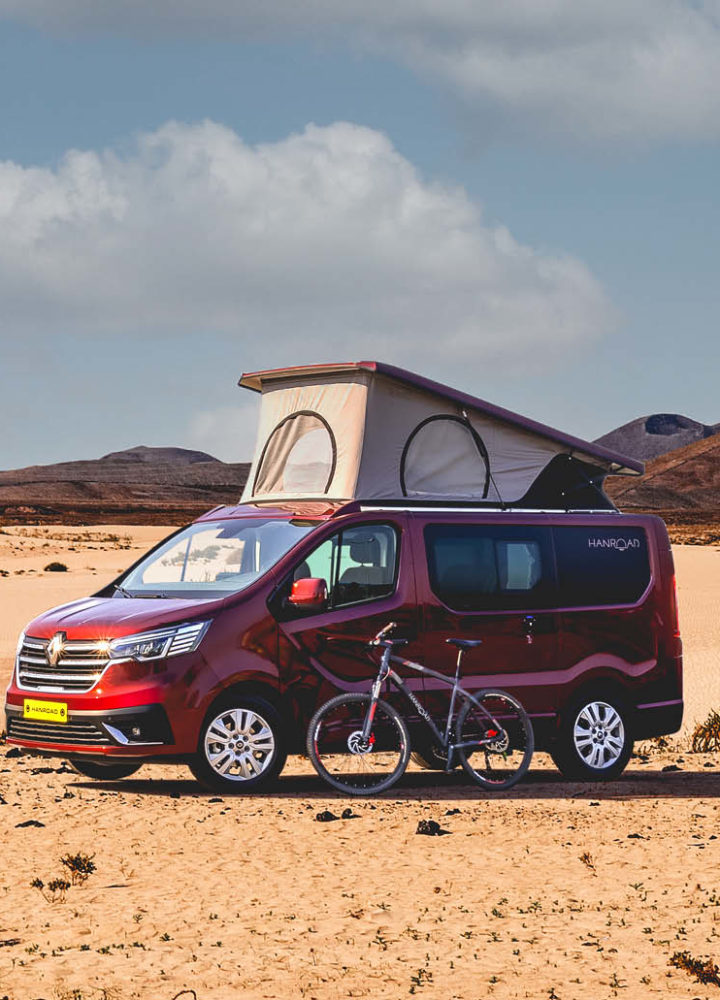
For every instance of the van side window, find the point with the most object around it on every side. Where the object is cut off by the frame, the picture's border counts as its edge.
(358, 564)
(482, 567)
(601, 566)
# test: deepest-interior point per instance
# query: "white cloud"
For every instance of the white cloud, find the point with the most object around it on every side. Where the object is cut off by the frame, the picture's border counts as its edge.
(324, 245)
(628, 69)
(227, 432)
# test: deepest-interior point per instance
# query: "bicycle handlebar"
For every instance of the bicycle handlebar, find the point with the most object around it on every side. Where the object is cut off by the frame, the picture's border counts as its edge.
(383, 633)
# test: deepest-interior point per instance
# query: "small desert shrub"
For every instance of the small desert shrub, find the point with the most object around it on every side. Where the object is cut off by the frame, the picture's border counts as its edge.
(703, 970)
(80, 866)
(54, 891)
(706, 735)
(56, 567)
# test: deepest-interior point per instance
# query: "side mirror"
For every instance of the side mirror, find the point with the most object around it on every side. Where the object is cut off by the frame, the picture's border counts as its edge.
(309, 592)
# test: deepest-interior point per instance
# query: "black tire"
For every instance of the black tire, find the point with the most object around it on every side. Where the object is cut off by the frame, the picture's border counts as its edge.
(364, 770)
(103, 772)
(587, 753)
(241, 746)
(498, 763)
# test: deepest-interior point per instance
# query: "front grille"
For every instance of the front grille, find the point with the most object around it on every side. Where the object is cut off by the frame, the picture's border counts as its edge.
(77, 733)
(78, 669)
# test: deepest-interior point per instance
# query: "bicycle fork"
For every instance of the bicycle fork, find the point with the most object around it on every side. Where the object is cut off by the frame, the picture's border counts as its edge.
(374, 696)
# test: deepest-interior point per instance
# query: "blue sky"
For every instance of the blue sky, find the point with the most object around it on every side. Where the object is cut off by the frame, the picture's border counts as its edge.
(522, 205)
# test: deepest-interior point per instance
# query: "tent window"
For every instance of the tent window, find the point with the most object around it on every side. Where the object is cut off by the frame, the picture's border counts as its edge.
(299, 457)
(445, 456)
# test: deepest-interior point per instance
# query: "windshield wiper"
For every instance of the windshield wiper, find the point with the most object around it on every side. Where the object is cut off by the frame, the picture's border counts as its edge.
(119, 589)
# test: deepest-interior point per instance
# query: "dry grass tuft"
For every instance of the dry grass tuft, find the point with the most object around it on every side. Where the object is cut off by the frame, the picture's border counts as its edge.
(706, 735)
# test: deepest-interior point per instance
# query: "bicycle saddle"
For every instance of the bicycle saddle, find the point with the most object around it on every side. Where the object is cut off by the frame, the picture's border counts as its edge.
(464, 643)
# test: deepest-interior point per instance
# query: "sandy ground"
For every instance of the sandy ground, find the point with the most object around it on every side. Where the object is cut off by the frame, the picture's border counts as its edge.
(553, 890)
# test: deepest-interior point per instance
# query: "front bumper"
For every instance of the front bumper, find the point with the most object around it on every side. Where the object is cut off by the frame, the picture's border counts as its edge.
(138, 731)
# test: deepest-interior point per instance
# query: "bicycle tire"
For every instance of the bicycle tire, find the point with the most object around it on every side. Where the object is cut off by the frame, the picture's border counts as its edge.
(361, 771)
(500, 765)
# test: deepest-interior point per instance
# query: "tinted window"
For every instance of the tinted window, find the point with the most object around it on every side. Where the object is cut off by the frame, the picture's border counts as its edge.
(358, 564)
(601, 565)
(481, 567)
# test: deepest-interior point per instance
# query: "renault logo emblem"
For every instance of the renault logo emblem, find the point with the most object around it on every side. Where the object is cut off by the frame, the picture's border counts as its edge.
(56, 648)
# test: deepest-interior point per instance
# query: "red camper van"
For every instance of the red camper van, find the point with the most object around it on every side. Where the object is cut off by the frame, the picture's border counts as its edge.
(391, 498)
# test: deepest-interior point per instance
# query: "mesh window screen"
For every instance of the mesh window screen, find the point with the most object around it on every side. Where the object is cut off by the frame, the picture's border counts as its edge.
(299, 457)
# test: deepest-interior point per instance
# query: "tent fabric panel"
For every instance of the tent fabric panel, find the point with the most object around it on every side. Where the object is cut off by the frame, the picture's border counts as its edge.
(340, 401)
(443, 457)
(395, 410)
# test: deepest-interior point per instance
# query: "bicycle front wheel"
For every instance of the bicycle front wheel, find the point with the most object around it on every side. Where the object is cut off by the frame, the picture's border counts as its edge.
(346, 761)
(496, 739)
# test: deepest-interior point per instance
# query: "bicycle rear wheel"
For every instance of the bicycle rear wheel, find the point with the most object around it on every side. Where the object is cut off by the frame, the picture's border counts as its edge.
(340, 755)
(503, 739)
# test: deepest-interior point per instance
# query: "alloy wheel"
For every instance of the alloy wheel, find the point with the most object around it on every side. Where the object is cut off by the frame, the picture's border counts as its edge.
(239, 744)
(599, 735)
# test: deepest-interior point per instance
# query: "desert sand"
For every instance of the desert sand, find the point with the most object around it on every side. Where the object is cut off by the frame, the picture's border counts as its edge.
(553, 890)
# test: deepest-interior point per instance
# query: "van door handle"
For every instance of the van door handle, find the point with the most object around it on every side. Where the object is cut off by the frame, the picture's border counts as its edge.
(529, 621)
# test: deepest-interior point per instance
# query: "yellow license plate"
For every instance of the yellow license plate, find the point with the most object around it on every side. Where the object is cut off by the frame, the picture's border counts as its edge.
(45, 711)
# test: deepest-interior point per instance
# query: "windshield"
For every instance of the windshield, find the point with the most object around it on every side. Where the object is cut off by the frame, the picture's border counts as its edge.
(213, 559)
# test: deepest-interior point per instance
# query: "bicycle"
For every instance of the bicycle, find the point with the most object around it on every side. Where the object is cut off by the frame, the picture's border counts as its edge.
(360, 744)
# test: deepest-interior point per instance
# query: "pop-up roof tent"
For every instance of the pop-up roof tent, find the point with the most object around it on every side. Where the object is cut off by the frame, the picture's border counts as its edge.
(369, 431)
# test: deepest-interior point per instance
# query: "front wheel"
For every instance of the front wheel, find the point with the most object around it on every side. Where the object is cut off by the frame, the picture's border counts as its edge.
(496, 738)
(346, 761)
(594, 743)
(240, 747)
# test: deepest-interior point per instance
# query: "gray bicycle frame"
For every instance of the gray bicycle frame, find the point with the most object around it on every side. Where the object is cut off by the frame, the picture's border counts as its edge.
(386, 673)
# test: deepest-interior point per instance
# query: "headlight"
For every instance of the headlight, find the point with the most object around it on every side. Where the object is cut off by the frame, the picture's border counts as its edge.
(159, 643)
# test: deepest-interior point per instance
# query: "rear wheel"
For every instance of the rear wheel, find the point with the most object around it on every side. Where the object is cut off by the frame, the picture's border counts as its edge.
(103, 772)
(503, 740)
(345, 760)
(240, 747)
(594, 742)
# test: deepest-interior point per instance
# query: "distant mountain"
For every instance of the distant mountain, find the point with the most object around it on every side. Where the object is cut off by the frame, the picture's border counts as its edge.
(686, 479)
(164, 456)
(649, 437)
(160, 484)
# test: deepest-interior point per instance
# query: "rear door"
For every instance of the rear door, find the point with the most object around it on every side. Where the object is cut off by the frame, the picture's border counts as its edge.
(493, 582)
(368, 568)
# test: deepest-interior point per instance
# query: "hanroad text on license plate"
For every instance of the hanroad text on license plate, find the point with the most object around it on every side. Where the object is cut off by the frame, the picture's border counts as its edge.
(46, 711)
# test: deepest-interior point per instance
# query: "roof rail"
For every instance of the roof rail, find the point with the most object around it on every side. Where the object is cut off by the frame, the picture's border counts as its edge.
(357, 506)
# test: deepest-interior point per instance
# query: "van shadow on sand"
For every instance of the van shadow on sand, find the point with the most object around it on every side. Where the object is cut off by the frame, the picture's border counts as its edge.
(539, 784)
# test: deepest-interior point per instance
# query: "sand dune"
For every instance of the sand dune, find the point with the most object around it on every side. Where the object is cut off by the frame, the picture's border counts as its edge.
(553, 890)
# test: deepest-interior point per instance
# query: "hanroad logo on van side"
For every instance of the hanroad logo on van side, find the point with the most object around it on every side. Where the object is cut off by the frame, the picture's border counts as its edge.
(619, 544)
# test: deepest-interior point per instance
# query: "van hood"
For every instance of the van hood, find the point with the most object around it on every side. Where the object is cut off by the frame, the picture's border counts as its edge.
(114, 617)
